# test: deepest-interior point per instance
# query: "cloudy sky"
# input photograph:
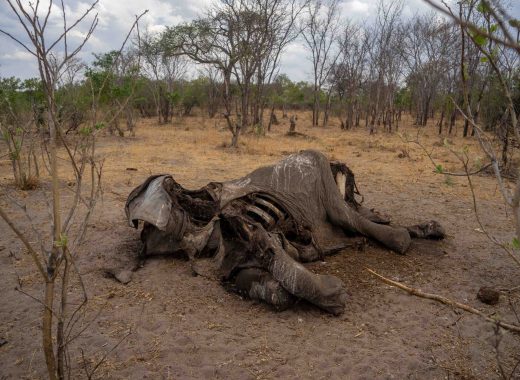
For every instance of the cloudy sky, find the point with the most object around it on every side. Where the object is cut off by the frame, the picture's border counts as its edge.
(116, 16)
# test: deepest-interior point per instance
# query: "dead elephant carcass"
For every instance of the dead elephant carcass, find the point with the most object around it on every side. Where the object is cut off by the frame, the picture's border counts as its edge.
(259, 229)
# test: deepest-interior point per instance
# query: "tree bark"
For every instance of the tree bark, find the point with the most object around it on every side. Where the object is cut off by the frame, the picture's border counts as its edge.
(60, 338)
(441, 120)
(48, 351)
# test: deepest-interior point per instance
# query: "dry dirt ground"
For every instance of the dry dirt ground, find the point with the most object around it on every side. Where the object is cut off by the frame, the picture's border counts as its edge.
(178, 326)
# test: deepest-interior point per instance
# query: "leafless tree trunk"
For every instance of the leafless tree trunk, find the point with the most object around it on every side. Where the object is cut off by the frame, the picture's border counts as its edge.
(349, 72)
(384, 58)
(164, 65)
(319, 30)
(243, 39)
(292, 126)
(55, 262)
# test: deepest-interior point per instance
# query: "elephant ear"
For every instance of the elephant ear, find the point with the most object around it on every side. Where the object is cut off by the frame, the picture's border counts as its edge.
(149, 202)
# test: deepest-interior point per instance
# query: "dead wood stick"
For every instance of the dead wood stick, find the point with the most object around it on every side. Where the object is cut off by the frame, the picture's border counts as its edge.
(446, 301)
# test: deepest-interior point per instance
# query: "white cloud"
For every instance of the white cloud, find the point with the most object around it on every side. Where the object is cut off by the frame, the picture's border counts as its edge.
(121, 14)
(355, 8)
(117, 16)
(156, 28)
(19, 55)
(197, 6)
(294, 62)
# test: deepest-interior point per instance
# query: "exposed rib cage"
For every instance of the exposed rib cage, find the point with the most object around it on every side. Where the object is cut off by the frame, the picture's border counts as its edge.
(263, 209)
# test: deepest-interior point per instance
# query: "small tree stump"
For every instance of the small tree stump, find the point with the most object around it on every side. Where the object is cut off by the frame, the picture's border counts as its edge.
(292, 126)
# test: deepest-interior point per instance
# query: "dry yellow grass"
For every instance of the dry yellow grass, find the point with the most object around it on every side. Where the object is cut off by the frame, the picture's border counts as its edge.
(194, 150)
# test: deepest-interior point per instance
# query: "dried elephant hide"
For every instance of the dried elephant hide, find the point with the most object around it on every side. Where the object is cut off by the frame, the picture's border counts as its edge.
(258, 229)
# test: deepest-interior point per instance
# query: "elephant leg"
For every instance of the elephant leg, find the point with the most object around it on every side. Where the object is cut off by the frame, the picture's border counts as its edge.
(340, 214)
(258, 284)
(325, 291)
(341, 211)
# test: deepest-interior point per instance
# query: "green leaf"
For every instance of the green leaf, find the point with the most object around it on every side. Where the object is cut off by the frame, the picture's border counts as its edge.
(99, 126)
(479, 39)
(483, 7)
(439, 169)
(484, 59)
(516, 243)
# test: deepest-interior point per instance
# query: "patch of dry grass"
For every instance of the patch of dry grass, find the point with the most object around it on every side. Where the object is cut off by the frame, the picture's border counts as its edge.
(194, 149)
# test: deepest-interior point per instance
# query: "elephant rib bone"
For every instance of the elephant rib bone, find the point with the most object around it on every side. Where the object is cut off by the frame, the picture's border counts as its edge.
(268, 219)
(271, 207)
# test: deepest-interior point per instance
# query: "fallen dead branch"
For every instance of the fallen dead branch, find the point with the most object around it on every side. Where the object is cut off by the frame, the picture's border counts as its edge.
(446, 301)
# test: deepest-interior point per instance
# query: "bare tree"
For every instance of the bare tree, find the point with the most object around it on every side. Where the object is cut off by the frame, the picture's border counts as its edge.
(127, 70)
(384, 59)
(209, 41)
(18, 128)
(213, 89)
(55, 259)
(319, 30)
(429, 45)
(164, 65)
(349, 73)
(243, 40)
(279, 30)
(500, 31)
(261, 30)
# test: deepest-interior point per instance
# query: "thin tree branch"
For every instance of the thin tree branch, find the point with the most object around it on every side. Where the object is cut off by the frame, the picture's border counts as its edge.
(473, 27)
(72, 26)
(24, 240)
(18, 289)
(445, 301)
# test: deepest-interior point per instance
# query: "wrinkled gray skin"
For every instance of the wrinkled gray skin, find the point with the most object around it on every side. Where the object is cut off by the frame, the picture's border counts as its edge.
(258, 229)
